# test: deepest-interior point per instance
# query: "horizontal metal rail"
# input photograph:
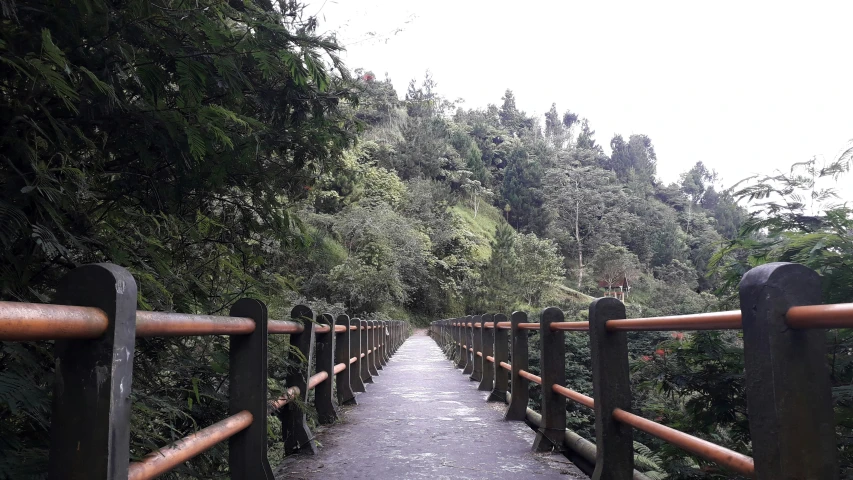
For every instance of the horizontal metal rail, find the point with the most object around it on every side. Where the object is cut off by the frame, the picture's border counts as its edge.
(165, 324)
(289, 394)
(317, 379)
(528, 326)
(490, 358)
(700, 321)
(570, 326)
(39, 321)
(167, 458)
(506, 366)
(821, 316)
(707, 450)
(574, 396)
(283, 326)
(533, 378)
(340, 368)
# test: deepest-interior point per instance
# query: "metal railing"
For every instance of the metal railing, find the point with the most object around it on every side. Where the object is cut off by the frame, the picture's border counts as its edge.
(788, 388)
(94, 323)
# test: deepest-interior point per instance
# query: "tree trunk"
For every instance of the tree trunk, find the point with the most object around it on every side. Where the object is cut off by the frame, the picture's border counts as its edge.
(578, 240)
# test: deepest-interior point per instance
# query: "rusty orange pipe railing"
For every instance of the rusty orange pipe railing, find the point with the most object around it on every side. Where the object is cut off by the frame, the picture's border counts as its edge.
(322, 329)
(477, 325)
(821, 316)
(700, 321)
(570, 326)
(707, 450)
(479, 354)
(573, 395)
(317, 379)
(528, 326)
(37, 321)
(490, 358)
(506, 366)
(530, 376)
(167, 458)
(165, 324)
(362, 355)
(283, 326)
(283, 400)
(340, 368)
(340, 328)
(353, 360)
(504, 325)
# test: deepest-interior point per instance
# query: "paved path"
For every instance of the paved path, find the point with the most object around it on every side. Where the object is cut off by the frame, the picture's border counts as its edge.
(424, 419)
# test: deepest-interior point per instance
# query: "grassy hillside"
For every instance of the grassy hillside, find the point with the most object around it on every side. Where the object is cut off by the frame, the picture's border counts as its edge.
(482, 228)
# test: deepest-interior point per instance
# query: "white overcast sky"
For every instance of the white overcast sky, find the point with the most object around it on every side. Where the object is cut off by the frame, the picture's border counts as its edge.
(745, 87)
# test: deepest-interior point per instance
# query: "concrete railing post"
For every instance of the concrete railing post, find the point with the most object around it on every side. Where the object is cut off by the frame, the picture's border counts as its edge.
(356, 350)
(517, 409)
(366, 371)
(294, 427)
(343, 380)
(611, 386)
(459, 336)
(384, 344)
(468, 342)
(477, 335)
(501, 354)
(788, 389)
(487, 341)
(90, 427)
(247, 390)
(325, 362)
(552, 364)
(371, 345)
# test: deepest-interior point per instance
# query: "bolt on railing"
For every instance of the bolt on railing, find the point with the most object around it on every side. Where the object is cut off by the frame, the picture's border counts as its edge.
(788, 389)
(94, 323)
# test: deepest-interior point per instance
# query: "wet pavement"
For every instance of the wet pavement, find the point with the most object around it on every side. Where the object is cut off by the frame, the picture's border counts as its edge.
(424, 419)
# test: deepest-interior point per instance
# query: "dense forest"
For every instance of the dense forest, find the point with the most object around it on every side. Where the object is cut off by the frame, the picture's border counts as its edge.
(219, 150)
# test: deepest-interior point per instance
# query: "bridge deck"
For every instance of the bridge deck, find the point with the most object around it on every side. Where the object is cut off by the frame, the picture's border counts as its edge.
(424, 419)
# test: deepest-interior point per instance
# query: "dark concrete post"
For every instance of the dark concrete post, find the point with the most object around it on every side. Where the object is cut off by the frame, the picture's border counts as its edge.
(366, 376)
(611, 386)
(382, 332)
(90, 427)
(552, 430)
(462, 361)
(477, 335)
(468, 340)
(789, 396)
(355, 351)
(325, 362)
(517, 409)
(294, 428)
(371, 346)
(487, 376)
(501, 349)
(343, 380)
(247, 390)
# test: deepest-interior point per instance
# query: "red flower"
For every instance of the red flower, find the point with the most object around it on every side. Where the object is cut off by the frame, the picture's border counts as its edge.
(646, 358)
(678, 336)
(659, 352)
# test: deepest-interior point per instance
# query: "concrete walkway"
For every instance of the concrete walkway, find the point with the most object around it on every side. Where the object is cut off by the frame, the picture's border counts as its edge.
(424, 419)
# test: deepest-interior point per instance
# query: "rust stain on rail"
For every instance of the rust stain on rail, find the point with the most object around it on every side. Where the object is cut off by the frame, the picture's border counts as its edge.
(37, 321)
(167, 458)
(282, 326)
(164, 324)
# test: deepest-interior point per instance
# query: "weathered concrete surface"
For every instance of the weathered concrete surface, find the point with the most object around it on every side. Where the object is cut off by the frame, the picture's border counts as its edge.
(424, 419)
